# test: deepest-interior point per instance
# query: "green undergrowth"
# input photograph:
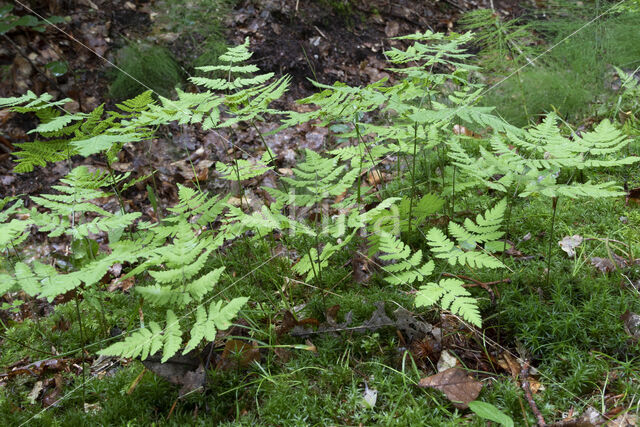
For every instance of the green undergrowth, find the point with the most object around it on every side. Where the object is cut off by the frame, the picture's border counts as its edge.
(461, 180)
(571, 329)
(575, 77)
(142, 67)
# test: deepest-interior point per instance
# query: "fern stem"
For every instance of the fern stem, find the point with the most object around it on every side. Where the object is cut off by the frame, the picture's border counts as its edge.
(413, 174)
(271, 158)
(553, 220)
(453, 193)
(83, 351)
(114, 184)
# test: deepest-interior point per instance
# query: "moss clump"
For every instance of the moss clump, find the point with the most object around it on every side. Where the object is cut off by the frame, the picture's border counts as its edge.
(143, 67)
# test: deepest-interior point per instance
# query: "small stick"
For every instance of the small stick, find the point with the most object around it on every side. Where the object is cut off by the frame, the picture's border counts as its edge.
(524, 374)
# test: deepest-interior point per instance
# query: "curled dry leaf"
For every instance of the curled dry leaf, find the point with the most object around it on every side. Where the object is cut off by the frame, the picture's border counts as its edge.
(459, 387)
(570, 243)
(631, 324)
(185, 370)
(605, 265)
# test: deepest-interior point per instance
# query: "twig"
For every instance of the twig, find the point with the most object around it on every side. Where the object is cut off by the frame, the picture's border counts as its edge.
(524, 374)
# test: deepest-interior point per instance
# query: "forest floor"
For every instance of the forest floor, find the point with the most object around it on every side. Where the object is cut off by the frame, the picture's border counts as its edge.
(565, 350)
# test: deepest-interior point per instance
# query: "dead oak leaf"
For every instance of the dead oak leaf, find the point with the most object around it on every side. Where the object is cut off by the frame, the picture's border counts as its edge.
(459, 387)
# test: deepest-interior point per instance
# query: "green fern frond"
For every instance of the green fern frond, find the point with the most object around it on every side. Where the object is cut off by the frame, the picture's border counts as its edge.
(218, 319)
(148, 341)
(486, 230)
(450, 295)
(406, 268)
(243, 169)
(316, 178)
(311, 264)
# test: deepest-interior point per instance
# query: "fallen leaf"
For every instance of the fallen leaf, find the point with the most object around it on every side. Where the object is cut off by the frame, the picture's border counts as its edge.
(360, 268)
(625, 420)
(447, 361)
(35, 392)
(123, 285)
(185, 370)
(631, 324)
(570, 243)
(633, 195)
(535, 385)
(509, 364)
(375, 177)
(52, 396)
(605, 265)
(456, 384)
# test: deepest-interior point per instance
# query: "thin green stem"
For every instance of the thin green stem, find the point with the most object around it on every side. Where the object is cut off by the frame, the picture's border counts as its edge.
(553, 220)
(83, 350)
(413, 174)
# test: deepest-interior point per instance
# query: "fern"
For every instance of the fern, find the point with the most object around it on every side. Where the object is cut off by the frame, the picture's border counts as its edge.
(75, 199)
(406, 268)
(531, 162)
(450, 295)
(245, 169)
(317, 178)
(218, 319)
(468, 235)
(147, 341)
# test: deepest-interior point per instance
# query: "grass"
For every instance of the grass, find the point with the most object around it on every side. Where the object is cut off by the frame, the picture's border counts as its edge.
(575, 76)
(571, 329)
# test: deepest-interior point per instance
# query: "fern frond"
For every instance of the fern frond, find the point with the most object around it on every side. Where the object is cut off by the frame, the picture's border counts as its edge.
(450, 295)
(145, 342)
(406, 268)
(316, 178)
(485, 230)
(243, 169)
(218, 319)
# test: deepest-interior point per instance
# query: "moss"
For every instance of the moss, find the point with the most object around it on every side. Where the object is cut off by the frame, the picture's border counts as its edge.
(143, 67)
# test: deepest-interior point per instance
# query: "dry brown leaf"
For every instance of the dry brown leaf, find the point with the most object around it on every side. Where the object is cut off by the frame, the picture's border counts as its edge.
(509, 364)
(375, 177)
(631, 324)
(238, 354)
(446, 361)
(625, 420)
(123, 285)
(535, 385)
(459, 387)
(52, 396)
(605, 265)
